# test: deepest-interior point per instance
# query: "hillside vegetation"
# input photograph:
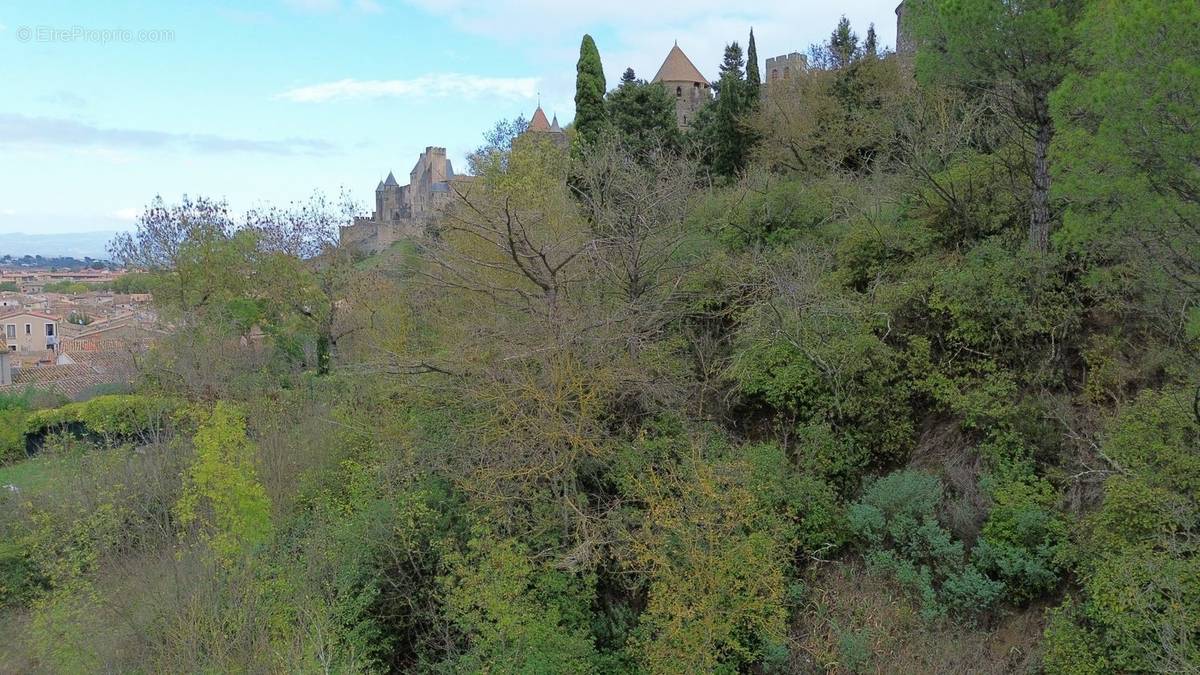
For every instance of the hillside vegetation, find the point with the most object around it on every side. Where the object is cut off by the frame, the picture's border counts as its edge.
(890, 366)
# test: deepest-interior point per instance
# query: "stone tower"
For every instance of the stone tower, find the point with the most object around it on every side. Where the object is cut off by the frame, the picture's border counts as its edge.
(539, 127)
(389, 200)
(905, 45)
(685, 84)
(784, 67)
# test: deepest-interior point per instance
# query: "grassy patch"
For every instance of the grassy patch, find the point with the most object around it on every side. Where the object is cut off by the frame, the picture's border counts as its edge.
(34, 474)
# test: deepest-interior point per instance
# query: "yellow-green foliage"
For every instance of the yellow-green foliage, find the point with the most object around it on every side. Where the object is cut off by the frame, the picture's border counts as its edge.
(519, 616)
(115, 415)
(222, 495)
(711, 550)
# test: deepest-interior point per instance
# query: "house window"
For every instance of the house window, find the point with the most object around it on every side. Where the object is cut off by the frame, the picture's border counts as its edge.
(29, 329)
(49, 330)
(679, 91)
(10, 331)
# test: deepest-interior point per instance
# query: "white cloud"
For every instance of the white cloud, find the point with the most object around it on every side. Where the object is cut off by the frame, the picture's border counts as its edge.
(456, 85)
(23, 131)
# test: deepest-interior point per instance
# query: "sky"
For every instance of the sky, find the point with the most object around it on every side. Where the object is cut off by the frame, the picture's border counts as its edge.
(104, 105)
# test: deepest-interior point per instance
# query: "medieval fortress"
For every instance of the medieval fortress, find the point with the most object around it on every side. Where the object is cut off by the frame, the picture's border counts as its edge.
(405, 211)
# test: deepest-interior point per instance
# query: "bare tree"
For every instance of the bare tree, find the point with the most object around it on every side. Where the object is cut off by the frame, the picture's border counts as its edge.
(636, 207)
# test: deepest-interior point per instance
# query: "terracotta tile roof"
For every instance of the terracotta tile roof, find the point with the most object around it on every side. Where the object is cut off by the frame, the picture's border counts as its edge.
(72, 379)
(678, 68)
(25, 312)
(539, 121)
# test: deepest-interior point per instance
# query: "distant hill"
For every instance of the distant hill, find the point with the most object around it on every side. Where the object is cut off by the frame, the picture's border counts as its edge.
(72, 244)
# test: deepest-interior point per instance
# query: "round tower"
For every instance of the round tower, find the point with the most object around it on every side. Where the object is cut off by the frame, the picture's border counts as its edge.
(685, 84)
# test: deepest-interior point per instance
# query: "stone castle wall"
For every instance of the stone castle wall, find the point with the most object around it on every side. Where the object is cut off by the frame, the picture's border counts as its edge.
(785, 66)
(404, 211)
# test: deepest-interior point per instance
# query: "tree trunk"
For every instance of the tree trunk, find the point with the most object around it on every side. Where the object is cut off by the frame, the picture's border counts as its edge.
(1039, 217)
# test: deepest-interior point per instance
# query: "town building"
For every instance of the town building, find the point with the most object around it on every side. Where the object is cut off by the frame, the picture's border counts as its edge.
(30, 333)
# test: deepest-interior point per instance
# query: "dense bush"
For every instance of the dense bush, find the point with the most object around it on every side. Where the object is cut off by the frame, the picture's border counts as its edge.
(1022, 539)
(895, 525)
(1137, 555)
(111, 416)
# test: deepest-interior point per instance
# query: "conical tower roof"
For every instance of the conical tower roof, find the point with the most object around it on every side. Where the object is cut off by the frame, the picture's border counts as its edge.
(391, 181)
(539, 121)
(554, 125)
(678, 68)
(379, 187)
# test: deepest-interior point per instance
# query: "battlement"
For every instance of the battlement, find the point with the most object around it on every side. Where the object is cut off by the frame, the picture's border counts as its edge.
(784, 66)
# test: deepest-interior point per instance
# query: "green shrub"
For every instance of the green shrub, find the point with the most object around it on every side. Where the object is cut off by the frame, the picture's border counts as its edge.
(771, 214)
(18, 574)
(895, 525)
(970, 200)
(111, 416)
(879, 250)
(1138, 557)
(518, 616)
(1021, 539)
(1000, 301)
(12, 435)
(840, 385)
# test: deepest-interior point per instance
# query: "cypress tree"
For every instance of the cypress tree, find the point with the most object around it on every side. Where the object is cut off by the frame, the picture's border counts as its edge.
(871, 47)
(589, 92)
(752, 76)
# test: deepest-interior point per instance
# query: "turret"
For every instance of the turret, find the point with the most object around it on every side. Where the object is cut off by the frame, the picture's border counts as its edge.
(685, 84)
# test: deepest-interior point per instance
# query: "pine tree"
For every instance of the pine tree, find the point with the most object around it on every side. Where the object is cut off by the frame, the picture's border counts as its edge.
(732, 63)
(644, 115)
(843, 44)
(753, 79)
(628, 76)
(1015, 55)
(590, 116)
(731, 66)
(871, 46)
